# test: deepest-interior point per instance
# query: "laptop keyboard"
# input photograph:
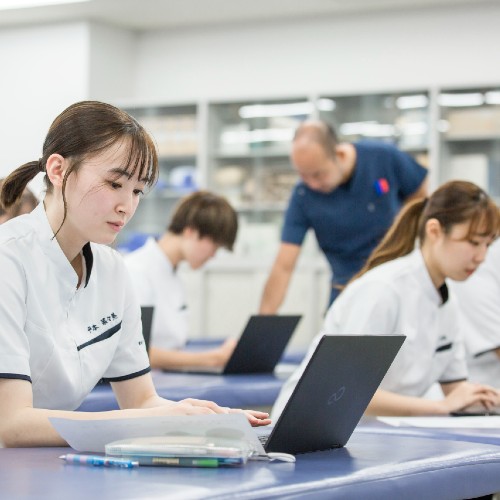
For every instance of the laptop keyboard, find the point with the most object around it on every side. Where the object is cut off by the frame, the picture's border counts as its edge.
(263, 439)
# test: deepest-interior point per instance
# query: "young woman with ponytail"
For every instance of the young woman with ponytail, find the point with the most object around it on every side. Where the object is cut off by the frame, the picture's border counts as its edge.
(402, 290)
(68, 313)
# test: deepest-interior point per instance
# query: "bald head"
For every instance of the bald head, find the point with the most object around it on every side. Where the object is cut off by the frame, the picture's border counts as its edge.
(318, 132)
(320, 161)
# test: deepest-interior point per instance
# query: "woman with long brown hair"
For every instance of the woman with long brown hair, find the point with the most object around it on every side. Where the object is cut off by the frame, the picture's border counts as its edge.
(402, 290)
(68, 312)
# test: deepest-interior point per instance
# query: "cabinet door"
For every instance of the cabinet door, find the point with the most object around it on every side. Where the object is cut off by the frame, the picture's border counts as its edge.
(175, 131)
(248, 157)
(469, 128)
(402, 119)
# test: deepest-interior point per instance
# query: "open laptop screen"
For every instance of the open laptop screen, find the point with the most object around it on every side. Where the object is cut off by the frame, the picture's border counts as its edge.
(333, 392)
(147, 323)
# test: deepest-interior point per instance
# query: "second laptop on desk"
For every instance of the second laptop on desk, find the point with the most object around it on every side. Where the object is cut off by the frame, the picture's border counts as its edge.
(259, 347)
(334, 390)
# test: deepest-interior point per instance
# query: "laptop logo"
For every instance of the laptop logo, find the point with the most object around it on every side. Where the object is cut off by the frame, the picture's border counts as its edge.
(336, 396)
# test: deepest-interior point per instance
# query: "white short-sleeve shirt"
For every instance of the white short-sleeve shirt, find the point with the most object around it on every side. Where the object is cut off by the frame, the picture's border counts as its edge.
(398, 297)
(157, 284)
(60, 338)
(479, 302)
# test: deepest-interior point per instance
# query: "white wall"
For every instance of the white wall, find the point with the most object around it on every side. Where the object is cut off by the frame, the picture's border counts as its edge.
(42, 70)
(46, 68)
(112, 63)
(376, 51)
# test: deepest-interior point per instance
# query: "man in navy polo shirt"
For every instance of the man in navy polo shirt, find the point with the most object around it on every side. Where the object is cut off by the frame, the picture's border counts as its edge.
(349, 195)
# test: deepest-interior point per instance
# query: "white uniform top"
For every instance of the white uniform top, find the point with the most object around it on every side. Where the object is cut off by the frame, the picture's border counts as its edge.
(398, 297)
(60, 338)
(479, 299)
(157, 284)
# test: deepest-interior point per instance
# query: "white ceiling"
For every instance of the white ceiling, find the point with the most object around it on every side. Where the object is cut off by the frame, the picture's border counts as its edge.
(152, 14)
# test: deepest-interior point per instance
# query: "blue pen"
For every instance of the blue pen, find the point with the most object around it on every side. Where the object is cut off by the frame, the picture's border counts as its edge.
(98, 461)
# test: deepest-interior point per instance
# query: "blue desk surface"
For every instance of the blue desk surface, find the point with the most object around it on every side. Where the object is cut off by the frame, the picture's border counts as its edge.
(236, 391)
(475, 435)
(372, 465)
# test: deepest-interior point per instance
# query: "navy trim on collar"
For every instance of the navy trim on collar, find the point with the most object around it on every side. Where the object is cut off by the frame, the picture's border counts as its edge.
(443, 291)
(89, 260)
(16, 376)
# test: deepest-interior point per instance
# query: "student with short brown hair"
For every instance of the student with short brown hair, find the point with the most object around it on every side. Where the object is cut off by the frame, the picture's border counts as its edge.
(202, 223)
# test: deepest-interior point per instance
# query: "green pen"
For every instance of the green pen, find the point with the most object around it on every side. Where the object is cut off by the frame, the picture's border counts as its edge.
(185, 462)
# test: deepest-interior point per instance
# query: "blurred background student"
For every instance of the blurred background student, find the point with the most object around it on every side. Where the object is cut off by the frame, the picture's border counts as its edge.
(479, 299)
(403, 289)
(202, 223)
(349, 195)
(26, 203)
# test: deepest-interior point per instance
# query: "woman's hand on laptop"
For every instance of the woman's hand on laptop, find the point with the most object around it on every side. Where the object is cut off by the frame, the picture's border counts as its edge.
(219, 356)
(256, 418)
(462, 394)
(196, 406)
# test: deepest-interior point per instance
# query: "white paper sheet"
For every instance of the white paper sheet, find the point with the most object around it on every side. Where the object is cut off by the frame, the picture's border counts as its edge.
(490, 422)
(93, 435)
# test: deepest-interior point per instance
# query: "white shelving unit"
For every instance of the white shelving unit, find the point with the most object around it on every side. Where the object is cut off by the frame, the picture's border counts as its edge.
(469, 133)
(248, 148)
(176, 133)
(240, 149)
(402, 119)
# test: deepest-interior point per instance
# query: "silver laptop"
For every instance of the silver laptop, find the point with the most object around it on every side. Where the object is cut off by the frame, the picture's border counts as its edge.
(333, 393)
(259, 347)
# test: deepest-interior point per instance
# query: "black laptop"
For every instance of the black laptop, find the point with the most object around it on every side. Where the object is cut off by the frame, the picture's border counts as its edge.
(331, 396)
(147, 324)
(476, 411)
(259, 347)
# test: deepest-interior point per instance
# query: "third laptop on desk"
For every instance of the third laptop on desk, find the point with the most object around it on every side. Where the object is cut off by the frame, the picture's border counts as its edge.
(333, 392)
(259, 347)
(147, 313)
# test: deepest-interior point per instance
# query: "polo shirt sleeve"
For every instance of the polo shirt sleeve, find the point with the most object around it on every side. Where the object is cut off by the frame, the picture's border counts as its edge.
(408, 173)
(130, 359)
(14, 346)
(296, 223)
